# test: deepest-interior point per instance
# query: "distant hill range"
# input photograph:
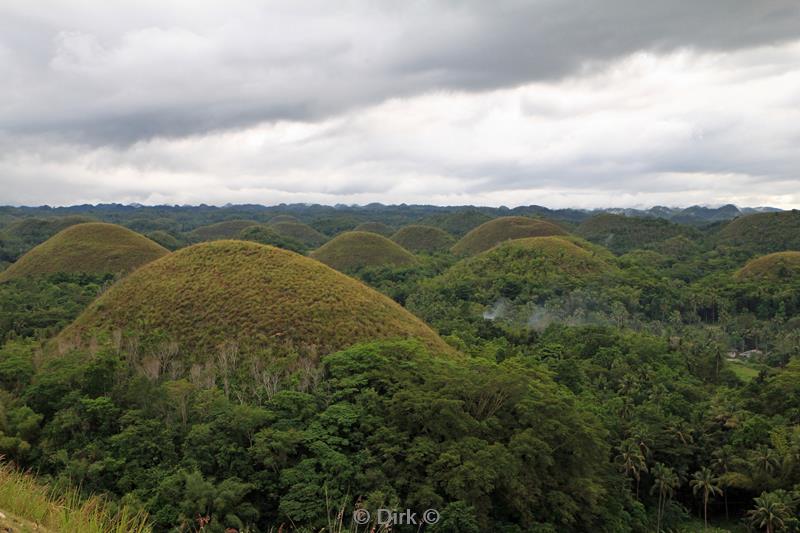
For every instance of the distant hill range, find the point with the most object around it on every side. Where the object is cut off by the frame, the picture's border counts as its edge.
(331, 220)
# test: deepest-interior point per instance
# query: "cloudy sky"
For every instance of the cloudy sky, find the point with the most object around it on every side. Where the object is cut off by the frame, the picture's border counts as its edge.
(579, 103)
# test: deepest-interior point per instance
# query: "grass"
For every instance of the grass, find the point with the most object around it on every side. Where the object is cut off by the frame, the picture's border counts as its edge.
(93, 248)
(495, 231)
(743, 371)
(536, 255)
(763, 232)
(248, 293)
(423, 239)
(622, 234)
(458, 222)
(31, 506)
(283, 218)
(297, 231)
(375, 227)
(228, 229)
(353, 250)
(773, 267)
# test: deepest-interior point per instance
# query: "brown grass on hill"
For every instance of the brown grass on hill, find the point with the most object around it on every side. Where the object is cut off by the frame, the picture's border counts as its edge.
(495, 231)
(93, 248)
(247, 293)
(774, 267)
(352, 250)
(423, 239)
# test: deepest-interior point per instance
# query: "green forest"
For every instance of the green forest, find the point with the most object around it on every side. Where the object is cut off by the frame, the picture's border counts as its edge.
(254, 369)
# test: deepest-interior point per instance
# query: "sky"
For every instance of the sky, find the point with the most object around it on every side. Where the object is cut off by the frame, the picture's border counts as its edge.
(561, 103)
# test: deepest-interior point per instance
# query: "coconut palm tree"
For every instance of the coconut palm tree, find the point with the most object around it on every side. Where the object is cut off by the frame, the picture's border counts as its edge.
(703, 481)
(666, 480)
(765, 460)
(723, 459)
(632, 462)
(770, 512)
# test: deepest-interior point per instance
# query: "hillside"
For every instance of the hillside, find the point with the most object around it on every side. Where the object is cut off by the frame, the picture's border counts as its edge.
(265, 234)
(283, 218)
(353, 250)
(251, 294)
(297, 231)
(773, 267)
(502, 229)
(228, 229)
(621, 234)
(375, 227)
(457, 223)
(92, 248)
(419, 238)
(763, 232)
(526, 281)
(21, 235)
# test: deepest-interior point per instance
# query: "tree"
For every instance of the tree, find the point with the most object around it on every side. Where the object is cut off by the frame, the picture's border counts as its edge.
(704, 481)
(632, 462)
(723, 458)
(770, 512)
(666, 480)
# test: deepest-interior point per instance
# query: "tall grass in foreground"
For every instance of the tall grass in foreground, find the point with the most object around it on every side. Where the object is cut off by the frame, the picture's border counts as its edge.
(65, 511)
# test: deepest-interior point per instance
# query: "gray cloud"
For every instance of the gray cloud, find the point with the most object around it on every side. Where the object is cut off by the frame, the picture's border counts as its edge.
(119, 73)
(558, 102)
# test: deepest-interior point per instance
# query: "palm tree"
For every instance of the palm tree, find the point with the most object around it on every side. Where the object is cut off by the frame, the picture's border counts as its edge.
(765, 460)
(723, 459)
(632, 462)
(770, 512)
(705, 482)
(666, 480)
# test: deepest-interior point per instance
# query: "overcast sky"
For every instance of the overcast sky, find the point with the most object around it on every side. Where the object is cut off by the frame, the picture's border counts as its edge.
(563, 103)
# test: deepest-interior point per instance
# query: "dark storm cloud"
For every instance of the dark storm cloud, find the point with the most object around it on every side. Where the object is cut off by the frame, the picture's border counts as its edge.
(115, 73)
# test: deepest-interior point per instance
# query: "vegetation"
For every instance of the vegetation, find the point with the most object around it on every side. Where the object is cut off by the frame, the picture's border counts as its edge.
(457, 223)
(622, 234)
(299, 232)
(165, 239)
(244, 293)
(91, 248)
(23, 234)
(264, 234)
(566, 388)
(763, 233)
(495, 231)
(228, 229)
(423, 239)
(375, 227)
(354, 250)
(39, 507)
(776, 267)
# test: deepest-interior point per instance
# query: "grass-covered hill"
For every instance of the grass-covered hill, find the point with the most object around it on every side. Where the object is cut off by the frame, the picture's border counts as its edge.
(283, 218)
(91, 248)
(763, 232)
(265, 234)
(165, 239)
(621, 234)
(354, 250)
(458, 222)
(21, 235)
(492, 233)
(375, 227)
(518, 280)
(423, 239)
(297, 231)
(251, 294)
(229, 229)
(772, 267)
(540, 258)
